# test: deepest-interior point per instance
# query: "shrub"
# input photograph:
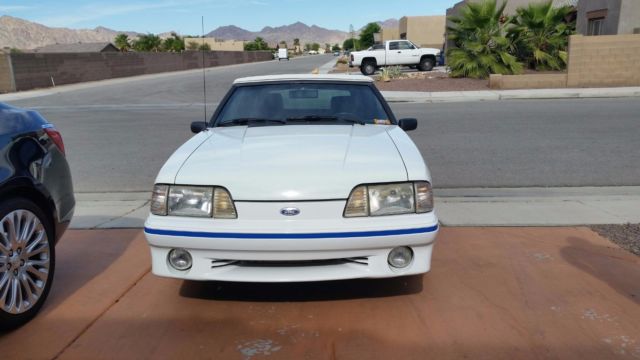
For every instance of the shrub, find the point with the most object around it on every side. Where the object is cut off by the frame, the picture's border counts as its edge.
(540, 35)
(482, 48)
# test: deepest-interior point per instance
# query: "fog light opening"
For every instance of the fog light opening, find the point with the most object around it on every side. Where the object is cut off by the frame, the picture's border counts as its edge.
(180, 259)
(400, 257)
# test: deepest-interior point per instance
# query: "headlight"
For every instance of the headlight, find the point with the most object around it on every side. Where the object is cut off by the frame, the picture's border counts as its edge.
(192, 201)
(390, 199)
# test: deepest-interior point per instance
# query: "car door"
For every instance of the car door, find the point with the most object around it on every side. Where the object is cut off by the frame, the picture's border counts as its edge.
(394, 54)
(408, 53)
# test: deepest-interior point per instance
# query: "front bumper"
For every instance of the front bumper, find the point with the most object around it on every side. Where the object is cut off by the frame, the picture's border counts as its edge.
(304, 249)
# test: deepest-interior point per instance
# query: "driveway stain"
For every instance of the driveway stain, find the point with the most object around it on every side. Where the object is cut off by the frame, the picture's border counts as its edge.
(264, 347)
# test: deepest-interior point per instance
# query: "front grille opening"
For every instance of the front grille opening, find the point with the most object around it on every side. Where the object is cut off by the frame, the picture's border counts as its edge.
(218, 263)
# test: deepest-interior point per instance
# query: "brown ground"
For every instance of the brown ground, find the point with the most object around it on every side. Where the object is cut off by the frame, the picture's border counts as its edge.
(422, 81)
(626, 236)
(433, 82)
(492, 293)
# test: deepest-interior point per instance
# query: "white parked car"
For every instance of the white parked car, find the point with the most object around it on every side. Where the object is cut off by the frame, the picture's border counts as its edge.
(295, 178)
(394, 52)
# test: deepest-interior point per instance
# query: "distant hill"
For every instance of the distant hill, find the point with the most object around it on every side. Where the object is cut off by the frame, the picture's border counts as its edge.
(304, 32)
(23, 34)
(389, 23)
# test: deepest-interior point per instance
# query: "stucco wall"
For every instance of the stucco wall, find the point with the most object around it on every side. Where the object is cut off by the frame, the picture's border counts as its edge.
(610, 25)
(629, 17)
(215, 45)
(44, 70)
(390, 34)
(427, 31)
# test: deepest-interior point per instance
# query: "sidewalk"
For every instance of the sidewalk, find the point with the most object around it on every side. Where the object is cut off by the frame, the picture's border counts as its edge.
(494, 95)
(455, 207)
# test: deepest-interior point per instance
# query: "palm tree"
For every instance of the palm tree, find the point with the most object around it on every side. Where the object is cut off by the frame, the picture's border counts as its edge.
(296, 44)
(540, 35)
(148, 42)
(481, 47)
(122, 42)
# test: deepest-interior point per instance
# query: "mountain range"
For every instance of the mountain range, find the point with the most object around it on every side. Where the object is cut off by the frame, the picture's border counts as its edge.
(24, 34)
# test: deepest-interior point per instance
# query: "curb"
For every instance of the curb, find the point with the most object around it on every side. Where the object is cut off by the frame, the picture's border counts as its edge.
(498, 95)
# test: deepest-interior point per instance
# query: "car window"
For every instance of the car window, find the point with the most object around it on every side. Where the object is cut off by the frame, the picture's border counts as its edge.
(405, 45)
(294, 100)
(394, 45)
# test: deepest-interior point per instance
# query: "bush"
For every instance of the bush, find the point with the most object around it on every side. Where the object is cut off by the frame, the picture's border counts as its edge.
(390, 72)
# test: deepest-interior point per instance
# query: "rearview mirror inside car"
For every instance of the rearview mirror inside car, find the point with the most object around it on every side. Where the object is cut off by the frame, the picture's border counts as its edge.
(408, 124)
(198, 126)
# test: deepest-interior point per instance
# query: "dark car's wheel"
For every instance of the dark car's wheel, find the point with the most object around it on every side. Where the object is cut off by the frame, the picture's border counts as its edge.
(27, 261)
(426, 64)
(368, 67)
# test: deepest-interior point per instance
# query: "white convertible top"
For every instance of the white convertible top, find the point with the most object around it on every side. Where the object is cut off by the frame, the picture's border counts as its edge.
(304, 77)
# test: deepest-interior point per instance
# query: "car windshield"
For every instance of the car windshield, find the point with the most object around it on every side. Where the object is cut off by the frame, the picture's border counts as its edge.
(302, 103)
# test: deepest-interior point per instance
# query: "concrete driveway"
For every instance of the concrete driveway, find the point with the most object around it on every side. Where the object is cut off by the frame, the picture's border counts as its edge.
(495, 293)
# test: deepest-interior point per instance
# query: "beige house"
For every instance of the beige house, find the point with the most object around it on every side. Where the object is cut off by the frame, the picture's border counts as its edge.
(387, 34)
(426, 31)
(217, 45)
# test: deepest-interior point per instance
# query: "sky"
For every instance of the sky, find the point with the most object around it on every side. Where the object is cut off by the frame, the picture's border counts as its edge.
(183, 16)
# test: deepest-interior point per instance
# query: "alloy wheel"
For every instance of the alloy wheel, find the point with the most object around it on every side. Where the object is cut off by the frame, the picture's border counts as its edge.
(25, 259)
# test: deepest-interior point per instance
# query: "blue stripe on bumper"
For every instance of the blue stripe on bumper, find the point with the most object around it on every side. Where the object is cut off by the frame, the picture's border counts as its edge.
(331, 235)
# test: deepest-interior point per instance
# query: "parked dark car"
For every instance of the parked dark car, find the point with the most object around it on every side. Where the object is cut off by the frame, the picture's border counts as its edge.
(36, 206)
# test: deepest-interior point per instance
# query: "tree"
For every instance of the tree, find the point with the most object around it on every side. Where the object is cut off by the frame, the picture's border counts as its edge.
(540, 35)
(148, 42)
(122, 42)
(307, 47)
(192, 45)
(256, 45)
(204, 47)
(366, 35)
(327, 47)
(174, 43)
(335, 47)
(315, 46)
(481, 46)
(283, 44)
(350, 44)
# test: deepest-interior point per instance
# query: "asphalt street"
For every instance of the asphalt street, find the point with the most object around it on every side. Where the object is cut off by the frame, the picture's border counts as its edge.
(119, 133)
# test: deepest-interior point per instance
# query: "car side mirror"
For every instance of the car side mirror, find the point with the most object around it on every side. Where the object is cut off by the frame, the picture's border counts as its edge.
(408, 124)
(198, 126)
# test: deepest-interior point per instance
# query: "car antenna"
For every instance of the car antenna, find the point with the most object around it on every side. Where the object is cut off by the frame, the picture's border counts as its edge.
(204, 77)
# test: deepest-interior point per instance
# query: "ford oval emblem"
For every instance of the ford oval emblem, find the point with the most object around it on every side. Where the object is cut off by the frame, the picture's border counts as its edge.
(290, 211)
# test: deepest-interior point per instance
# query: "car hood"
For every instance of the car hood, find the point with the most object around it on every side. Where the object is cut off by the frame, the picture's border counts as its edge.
(293, 162)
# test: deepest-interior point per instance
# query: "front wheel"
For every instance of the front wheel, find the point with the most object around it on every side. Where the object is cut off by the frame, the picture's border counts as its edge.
(426, 64)
(27, 261)
(368, 68)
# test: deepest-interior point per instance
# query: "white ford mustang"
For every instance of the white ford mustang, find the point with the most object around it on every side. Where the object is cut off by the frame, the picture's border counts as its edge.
(295, 178)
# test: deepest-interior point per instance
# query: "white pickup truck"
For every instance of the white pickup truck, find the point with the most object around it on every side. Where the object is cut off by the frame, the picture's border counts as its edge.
(394, 52)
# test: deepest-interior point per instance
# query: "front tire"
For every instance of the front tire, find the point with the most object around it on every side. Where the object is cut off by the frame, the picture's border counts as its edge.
(27, 261)
(368, 68)
(426, 64)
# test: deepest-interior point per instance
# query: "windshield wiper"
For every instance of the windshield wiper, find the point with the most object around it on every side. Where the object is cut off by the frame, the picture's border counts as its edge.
(247, 121)
(325, 118)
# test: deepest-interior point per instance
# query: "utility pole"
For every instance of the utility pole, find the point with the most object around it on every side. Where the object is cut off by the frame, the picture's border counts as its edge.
(353, 33)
